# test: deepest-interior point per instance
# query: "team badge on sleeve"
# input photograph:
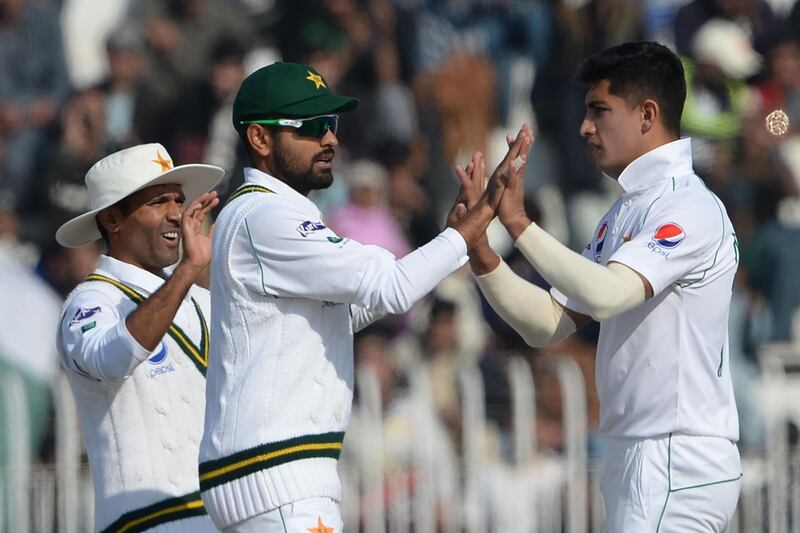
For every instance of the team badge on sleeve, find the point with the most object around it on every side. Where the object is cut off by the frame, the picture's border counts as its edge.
(308, 227)
(83, 313)
(669, 235)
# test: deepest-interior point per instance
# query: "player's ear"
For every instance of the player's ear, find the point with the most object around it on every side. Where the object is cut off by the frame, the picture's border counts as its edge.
(650, 114)
(111, 219)
(260, 139)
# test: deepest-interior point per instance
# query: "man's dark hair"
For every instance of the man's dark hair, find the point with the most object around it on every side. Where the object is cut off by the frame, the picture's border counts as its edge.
(637, 71)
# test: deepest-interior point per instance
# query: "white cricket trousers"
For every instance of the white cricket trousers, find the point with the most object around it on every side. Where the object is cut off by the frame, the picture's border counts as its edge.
(672, 484)
(319, 515)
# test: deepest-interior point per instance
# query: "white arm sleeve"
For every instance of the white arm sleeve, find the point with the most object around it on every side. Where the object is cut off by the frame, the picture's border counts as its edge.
(276, 259)
(530, 310)
(603, 291)
(94, 341)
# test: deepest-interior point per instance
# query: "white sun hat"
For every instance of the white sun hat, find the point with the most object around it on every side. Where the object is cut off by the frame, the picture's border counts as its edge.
(726, 45)
(123, 173)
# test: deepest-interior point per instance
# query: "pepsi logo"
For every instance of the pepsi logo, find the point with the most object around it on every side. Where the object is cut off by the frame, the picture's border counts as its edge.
(601, 237)
(669, 235)
(159, 356)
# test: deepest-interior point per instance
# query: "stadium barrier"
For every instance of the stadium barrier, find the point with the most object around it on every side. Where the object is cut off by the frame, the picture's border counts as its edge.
(415, 478)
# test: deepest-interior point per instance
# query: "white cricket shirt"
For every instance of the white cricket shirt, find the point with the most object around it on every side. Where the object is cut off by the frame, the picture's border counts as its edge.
(287, 295)
(663, 367)
(141, 413)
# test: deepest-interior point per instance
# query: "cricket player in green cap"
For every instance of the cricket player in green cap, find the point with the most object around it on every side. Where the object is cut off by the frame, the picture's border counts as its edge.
(287, 295)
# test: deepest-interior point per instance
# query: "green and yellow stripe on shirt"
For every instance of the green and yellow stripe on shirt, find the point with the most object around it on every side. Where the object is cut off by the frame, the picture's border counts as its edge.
(198, 354)
(240, 464)
(159, 513)
(247, 189)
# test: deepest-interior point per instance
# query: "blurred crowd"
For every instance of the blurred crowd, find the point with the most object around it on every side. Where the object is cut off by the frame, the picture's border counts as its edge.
(437, 79)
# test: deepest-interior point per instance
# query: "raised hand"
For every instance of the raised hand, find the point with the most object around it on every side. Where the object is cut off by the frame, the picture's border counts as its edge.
(196, 244)
(473, 184)
(479, 199)
(473, 180)
(511, 209)
(511, 168)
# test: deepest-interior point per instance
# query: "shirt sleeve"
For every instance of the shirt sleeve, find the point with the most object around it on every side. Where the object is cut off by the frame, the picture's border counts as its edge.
(95, 341)
(676, 243)
(282, 253)
(562, 298)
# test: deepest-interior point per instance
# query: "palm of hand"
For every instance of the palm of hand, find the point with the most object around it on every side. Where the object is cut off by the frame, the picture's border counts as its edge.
(196, 245)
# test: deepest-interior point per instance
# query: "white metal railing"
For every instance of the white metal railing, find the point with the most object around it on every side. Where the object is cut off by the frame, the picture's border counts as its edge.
(17, 479)
(522, 489)
(68, 457)
(473, 416)
(780, 401)
(573, 394)
(523, 410)
(371, 462)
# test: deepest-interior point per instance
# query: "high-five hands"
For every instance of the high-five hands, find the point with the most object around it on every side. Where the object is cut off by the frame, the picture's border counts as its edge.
(480, 198)
(511, 209)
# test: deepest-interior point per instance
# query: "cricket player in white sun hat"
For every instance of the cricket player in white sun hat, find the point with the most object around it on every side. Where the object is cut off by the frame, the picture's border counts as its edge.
(134, 338)
(658, 276)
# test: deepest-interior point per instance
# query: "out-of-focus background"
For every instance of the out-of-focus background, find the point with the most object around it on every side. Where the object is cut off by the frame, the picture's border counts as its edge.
(458, 426)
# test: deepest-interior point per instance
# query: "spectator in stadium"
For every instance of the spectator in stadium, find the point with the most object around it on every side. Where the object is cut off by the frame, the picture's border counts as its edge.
(781, 90)
(202, 127)
(287, 295)
(134, 337)
(33, 86)
(408, 199)
(182, 36)
(366, 217)
(753, 16)
(122, 89)
(658, 278)
(717, 96)
(62, 189)
(94, 123)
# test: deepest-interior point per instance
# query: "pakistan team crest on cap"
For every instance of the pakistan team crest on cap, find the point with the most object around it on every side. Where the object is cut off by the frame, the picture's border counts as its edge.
(669, 235)
(317, 79)
(166, 163)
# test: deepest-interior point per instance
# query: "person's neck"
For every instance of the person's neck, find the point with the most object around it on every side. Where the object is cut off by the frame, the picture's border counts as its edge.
(656, 141)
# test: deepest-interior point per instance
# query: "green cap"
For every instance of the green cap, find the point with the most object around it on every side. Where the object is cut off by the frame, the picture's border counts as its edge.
(286, 90)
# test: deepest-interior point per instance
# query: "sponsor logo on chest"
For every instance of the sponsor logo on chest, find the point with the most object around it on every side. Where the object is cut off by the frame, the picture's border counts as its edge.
(600, 241)
(158, 359)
